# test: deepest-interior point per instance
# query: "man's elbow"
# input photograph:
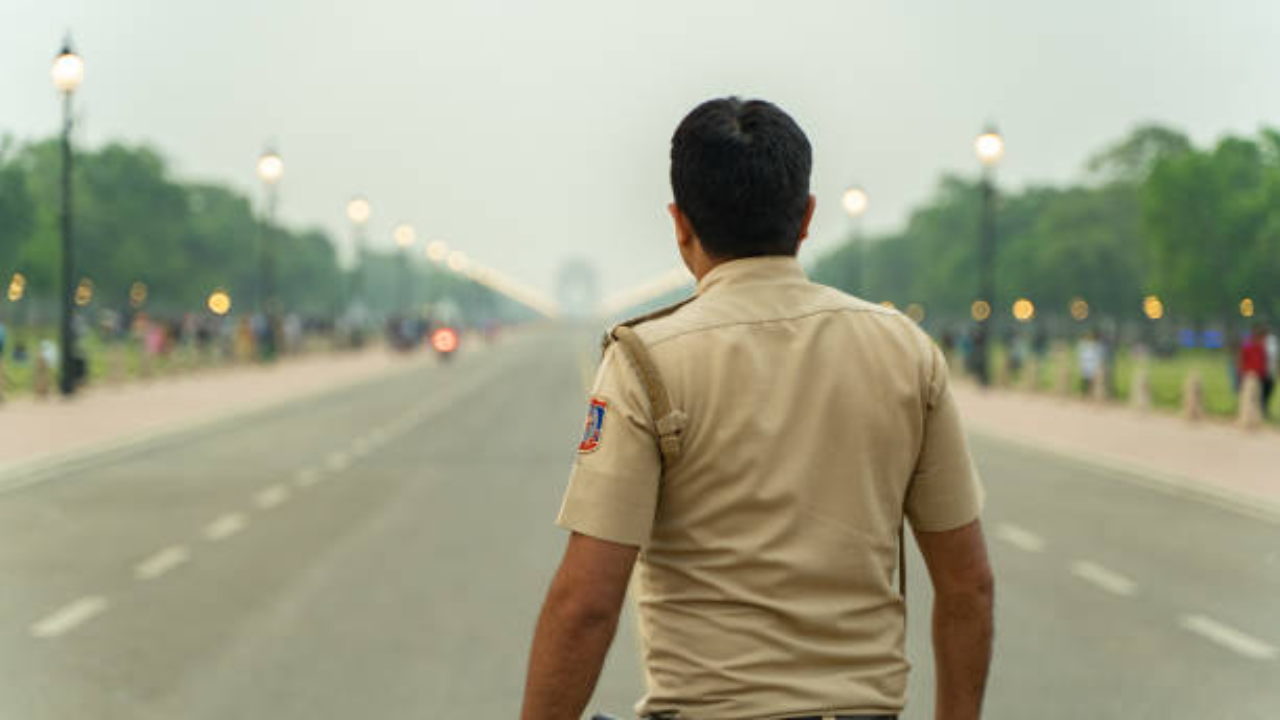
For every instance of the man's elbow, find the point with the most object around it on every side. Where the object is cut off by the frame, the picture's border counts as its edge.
(582, 610)
(976, 589)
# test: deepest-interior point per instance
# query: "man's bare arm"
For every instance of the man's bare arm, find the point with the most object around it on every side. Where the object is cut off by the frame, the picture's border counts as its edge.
(576, 627)
(963, 624)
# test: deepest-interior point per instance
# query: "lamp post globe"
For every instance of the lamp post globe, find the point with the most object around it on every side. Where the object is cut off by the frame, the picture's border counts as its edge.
(989, 147)
(855, 201)
(404, 235)
(359, 210)
(270, 167)
(68, 69)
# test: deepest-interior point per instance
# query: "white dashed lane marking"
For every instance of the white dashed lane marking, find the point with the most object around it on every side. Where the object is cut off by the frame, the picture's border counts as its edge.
(338, 461)
(1103, 578)
(1024, 540)
(162, 562)
(225, 526)
(69, 617)
(271, 496)
(307, 477)
(1228, 637)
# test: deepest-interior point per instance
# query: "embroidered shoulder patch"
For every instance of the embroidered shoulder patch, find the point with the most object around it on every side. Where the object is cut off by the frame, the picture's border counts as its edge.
(595, 425)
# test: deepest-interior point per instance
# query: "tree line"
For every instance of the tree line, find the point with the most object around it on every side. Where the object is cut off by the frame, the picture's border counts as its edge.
(138, 225)
(1197, 227)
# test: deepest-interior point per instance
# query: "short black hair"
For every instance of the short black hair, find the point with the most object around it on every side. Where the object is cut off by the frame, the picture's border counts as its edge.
(740, 173)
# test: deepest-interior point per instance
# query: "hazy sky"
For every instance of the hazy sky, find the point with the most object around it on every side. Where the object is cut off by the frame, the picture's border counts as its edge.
(530, 132)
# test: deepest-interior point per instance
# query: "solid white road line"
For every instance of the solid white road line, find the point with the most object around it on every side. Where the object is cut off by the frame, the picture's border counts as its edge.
(1228, 637)
(225, 526)
(1024, 540)
(69, 617)
(1103, 578)
(307, 477)
(271, 496)
(162, 562)
(338, 461)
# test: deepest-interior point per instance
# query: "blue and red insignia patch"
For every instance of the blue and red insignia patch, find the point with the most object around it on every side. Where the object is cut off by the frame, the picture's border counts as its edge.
(595, 425)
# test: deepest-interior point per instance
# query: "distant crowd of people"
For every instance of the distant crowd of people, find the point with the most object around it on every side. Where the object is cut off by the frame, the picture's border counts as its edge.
(1256, 354)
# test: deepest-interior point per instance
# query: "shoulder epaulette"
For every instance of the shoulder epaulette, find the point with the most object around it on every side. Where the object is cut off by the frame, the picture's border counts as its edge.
(610, 336)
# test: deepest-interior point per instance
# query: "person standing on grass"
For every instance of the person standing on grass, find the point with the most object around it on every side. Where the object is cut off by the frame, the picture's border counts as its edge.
(1253, 361)
(1092, 357)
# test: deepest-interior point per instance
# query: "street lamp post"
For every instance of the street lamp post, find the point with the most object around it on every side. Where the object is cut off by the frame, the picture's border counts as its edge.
(405, 237)
(855, 202)
(989, 147)
(358, 212)
(67, 73)
(270, 169)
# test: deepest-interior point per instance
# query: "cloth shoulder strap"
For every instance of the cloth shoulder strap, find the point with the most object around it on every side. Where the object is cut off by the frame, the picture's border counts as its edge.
(669, 422)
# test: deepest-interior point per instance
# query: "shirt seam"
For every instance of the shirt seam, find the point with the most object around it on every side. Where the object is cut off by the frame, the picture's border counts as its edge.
(769, 321)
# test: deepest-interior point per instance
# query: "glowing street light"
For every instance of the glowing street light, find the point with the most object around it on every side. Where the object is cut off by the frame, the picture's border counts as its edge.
(404, 235)
(855, 201)
(437, 251)
(67, 74)
(270, 167)
(359, 210)
(989, 147)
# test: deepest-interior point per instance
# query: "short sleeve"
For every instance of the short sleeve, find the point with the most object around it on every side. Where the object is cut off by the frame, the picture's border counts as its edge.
(945, 492)
(613, 488)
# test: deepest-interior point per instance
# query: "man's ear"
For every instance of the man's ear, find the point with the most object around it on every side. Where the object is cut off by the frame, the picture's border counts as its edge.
(684, 229)
(808, 217)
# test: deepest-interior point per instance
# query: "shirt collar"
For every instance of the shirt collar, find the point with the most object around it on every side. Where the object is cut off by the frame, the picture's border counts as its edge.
(770, 268)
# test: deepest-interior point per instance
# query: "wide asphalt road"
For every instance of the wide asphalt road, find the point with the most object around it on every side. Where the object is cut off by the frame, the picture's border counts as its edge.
(382, 552)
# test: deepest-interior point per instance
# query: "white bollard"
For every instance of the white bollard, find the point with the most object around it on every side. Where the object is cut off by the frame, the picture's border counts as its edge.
(1140, 393)
(1249, 414)
(1193, 396)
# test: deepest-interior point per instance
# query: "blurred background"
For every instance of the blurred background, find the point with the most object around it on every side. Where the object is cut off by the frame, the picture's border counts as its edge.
(248, 250)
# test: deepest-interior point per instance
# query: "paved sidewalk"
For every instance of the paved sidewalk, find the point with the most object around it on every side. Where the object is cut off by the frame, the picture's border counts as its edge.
(33, 432)
(1209, 459)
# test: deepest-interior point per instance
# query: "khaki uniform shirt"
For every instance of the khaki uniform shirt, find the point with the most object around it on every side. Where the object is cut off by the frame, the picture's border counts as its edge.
(768, 550)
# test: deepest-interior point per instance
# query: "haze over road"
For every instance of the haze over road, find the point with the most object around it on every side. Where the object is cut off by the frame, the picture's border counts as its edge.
(381, 552)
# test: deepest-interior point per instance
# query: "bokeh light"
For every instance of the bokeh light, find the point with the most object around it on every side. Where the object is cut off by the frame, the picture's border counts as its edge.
(1024, 310)
(137, 293)
(438, 251)
(915, 311)
(989, 146)
(458, 261)
(17, 287)
(1246, 307)
(1079, 310)
(270, 167)
(1153, 307)
(359, 210)
(855, 201)
(67, 71)
(404, 235)
(84, 292)
(219, 302)
(980, 310)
